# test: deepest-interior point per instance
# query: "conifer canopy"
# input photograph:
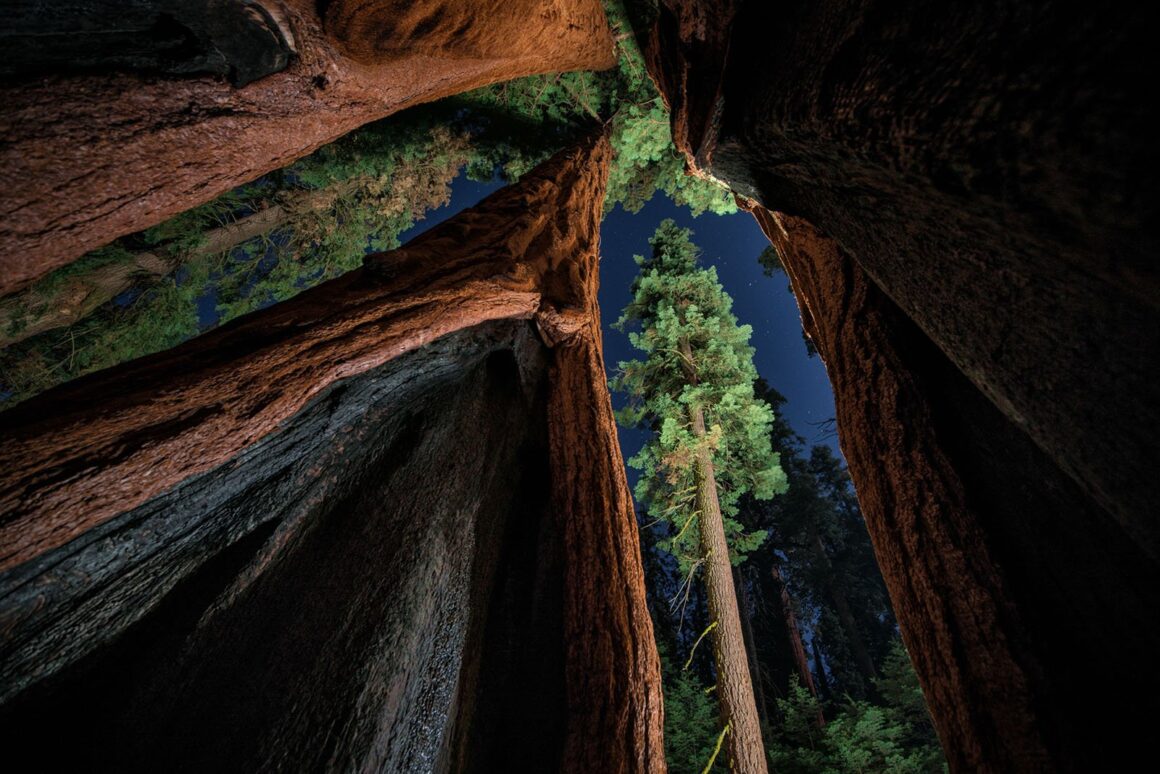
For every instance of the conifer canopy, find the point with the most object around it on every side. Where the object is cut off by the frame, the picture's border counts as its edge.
(696, 355)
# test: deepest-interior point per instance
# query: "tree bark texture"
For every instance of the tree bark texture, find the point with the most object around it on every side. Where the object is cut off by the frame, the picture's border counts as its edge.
(734, 688)
(199, 550)
(967, 212)
(88, 158)
(990, 169)
(1002, 574)
(612, 664)
(191, 409)
(317, 602)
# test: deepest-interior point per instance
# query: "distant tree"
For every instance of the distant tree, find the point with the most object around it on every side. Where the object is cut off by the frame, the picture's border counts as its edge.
(711, 445)
(259, 244)
(829, 564)
(770, 261)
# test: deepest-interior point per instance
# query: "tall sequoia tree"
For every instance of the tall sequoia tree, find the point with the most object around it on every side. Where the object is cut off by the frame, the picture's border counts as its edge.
(710, 446)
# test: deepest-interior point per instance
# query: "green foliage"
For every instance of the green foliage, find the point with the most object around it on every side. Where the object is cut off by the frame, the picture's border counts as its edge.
(698, 357)
(371, 186)
(556, 107)
(692, 721)
(800, 747)
(818, 528)
(645, 161)
(770, 261)
(894, 736)
(358, 193)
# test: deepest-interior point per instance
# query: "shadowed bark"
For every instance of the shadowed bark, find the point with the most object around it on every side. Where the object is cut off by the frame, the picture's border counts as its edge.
(986, 168)
(996, 565)
(966, 205)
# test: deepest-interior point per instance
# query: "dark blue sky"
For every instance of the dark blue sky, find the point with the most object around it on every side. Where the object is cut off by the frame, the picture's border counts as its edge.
(732, 244)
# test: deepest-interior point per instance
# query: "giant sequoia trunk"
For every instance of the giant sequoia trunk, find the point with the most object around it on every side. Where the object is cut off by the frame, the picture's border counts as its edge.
(381, 526)
(734, 689)
(86, 158)
(968, 207)
(995, 562)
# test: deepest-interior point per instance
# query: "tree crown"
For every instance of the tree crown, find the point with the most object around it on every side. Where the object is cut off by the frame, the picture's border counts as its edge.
(697, 358)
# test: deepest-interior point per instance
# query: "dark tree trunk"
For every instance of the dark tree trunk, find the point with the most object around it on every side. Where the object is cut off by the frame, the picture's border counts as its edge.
(976, 265)
(824, 691)
(794, 635)
(850, 628)
(969, 548)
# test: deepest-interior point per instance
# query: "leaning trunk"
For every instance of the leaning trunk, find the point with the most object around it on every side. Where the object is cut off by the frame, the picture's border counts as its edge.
(794, 636)
(51, 305)
(734, 688)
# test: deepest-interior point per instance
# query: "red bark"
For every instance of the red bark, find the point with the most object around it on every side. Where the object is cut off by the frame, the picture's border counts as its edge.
(985, 297)
(162, 419)
(82, 454)
(965, 644)
(795, 636)
(87, 159)
(613, 671)
(940, 150)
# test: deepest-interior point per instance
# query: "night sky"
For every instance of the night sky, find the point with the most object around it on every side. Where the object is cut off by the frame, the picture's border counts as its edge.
(732, 244)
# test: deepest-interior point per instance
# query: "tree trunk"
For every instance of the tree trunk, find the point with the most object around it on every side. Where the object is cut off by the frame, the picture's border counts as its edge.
(1000, 570)
(36, 310)
(794, 635)
(363, 614)
(824, 692)
(216, 403)
(86, 159)
(734, 688)
(743, 607)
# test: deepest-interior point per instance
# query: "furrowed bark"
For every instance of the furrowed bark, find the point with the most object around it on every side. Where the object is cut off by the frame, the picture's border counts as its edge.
(613, 671)
(734, 688)
(88, 158)
(987, 573)
(183, 620)
(113, 440)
